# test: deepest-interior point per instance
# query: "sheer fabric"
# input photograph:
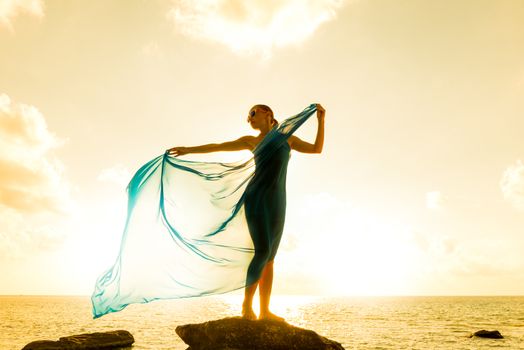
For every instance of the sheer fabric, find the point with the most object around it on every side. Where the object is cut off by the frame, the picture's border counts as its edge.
(199, 228)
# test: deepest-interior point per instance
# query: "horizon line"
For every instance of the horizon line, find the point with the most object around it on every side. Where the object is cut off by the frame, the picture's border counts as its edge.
(294, 295)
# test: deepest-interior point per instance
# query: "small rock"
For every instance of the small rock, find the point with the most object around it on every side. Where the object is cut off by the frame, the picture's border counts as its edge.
(88, 341)
(239, 333)
(487, 334)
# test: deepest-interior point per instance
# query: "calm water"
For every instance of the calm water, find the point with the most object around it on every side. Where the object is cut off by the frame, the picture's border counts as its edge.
(358, 323)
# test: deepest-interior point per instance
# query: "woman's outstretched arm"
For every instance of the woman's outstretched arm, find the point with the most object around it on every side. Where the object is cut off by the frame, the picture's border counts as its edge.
(236, 145)
(306, 147)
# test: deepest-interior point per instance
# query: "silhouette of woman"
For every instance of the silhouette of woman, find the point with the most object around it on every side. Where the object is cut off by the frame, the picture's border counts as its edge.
(193, 228)
(264, 199)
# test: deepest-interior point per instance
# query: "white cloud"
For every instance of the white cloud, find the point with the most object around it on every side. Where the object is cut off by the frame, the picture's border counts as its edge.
(34, 195)
(512, 184)
(252, 26)
(21, 236)
(32, 177)
(440, 254)
(9, 9)
(437, 201)
(117, 174)
(432, 243)
(454, 264)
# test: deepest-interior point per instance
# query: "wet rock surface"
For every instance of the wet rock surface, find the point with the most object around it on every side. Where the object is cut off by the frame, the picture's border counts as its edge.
(487, 334)
(237, 333)
(89, 341)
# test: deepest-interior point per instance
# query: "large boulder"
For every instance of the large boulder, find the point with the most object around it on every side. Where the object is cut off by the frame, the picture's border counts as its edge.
(88, 341)
(487, 334)
(237, 333)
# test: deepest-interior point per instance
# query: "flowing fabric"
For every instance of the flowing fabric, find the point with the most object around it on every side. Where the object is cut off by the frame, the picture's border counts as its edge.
(200, 228)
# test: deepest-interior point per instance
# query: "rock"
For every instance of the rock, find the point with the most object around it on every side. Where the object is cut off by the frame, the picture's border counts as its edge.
(88, 341)
(487, 334)
(237, 333)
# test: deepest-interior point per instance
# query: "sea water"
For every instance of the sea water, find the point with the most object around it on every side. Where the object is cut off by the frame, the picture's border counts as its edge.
(356, 322)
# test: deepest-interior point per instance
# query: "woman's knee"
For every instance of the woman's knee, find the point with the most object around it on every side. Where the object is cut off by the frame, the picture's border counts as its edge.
(262, 255)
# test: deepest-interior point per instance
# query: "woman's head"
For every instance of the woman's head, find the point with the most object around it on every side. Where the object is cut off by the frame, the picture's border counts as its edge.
(261, 116)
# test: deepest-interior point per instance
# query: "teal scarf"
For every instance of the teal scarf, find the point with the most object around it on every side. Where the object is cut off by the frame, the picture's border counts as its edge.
(199, 228)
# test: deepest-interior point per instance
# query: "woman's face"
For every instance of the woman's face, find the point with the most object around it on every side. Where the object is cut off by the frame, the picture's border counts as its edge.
(257, 117)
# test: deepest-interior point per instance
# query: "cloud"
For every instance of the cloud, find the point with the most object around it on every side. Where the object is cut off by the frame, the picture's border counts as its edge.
(9, 9)
(439, 202)
(34, 195)
(512, 185)
(252, 26)
(440, 254)
(21, 236)
(432, 244)
(32, 178)
(117, 174)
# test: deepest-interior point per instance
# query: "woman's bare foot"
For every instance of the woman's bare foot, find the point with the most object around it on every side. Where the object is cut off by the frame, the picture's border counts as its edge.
(248, 313)
(270, 316)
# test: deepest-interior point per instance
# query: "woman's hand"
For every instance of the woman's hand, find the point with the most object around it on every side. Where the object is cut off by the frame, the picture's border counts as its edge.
(178, 151)
(321, 112)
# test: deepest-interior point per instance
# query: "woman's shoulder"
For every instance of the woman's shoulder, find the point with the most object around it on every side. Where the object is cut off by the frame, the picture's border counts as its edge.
(251, 140)
(291, 139)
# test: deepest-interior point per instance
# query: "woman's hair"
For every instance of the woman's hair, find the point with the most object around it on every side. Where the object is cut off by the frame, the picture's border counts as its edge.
(267, 109)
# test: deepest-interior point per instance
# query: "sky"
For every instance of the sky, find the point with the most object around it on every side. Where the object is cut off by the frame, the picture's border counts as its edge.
(419, 189)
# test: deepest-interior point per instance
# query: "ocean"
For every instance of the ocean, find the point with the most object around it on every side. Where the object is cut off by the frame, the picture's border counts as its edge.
(356, 322)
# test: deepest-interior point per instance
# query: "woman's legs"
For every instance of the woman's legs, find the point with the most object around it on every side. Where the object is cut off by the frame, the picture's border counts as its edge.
(264, 284)
(256, 268)
(266, 236)
(264, 287)
(258, 231)
(247, 305)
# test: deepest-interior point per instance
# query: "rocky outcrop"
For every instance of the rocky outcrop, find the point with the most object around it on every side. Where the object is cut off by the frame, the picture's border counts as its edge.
(237, 333)
(88, 341)
(487, 334)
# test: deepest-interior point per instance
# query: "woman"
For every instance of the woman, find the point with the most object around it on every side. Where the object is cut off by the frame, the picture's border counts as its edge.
(193, 228)
(264, 199)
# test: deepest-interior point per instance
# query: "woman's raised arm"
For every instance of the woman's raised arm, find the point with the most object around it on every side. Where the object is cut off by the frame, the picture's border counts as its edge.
(305, 147)
(235, 145)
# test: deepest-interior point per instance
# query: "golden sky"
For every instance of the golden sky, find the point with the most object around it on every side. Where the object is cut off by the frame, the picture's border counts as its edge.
(420, 186)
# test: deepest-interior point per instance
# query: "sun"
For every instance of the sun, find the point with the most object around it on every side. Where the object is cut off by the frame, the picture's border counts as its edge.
(348, 251)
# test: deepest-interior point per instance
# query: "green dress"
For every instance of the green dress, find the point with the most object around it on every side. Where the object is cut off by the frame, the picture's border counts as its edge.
(265, 208)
